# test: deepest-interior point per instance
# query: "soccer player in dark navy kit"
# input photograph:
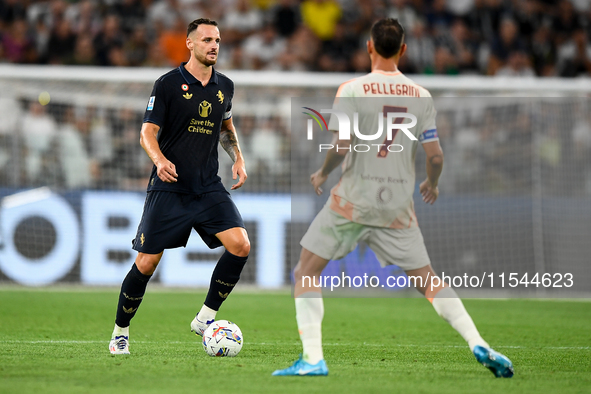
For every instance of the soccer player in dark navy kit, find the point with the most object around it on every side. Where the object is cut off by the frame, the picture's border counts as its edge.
(188, 113)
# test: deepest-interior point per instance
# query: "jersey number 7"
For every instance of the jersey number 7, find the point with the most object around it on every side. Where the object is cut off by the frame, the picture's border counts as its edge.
(383, 152)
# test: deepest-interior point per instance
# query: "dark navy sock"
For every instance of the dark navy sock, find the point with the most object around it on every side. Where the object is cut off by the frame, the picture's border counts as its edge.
(130, 298)
(225, 276)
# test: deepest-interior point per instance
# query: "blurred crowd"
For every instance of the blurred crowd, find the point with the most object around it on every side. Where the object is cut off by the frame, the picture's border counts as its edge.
(492, 37)
(86, 147)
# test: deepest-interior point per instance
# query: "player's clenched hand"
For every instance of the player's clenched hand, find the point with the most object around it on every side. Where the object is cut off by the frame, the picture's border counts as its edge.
(317, 179)
(238, 170)
(166, 171)
(428, 191)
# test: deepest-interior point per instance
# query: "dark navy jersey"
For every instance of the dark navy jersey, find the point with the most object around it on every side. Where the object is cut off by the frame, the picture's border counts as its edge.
(190, 117)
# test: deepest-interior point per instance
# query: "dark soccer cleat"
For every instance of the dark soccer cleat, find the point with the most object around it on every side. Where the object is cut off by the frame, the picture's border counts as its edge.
(498, 364)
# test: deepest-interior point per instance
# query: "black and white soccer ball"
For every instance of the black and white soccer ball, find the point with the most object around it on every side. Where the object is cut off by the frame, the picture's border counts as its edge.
(222, 339)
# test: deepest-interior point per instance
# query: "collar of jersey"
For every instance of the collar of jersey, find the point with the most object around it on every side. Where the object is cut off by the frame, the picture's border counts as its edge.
(191, 79)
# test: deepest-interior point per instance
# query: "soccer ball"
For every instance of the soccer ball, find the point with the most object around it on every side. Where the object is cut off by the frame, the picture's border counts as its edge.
(222, 339)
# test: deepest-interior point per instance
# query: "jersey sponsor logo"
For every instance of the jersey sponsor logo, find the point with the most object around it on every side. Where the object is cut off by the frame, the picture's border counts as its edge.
(201, 126)
(188, 95)
(185, 87)
(220, 96)
(384, 195)
(151, 103)
(204, 109)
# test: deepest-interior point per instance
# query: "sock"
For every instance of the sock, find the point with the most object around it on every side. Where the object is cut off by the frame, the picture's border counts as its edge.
(449, 306)
(309, 314)
(225, 276)
(131, 295)
(206, 314)
(119, 331)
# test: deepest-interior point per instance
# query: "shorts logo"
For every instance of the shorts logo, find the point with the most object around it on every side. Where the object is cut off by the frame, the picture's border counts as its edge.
(142, 239)
(151, 103)
(188, 95)
(185, 87)
(221, 96)
(204, 109)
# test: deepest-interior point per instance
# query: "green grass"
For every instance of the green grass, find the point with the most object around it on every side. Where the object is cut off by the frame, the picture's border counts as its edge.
(55, 341)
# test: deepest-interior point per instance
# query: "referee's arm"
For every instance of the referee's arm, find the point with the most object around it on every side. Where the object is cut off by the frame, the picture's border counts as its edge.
(165, 169)
(229, 141)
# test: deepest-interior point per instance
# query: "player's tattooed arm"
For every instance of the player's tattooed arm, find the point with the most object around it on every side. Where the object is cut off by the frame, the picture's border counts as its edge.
(229, 141)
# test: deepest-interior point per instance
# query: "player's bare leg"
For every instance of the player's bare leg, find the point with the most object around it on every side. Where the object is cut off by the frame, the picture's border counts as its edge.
(309, 314)
(449, 306)
(225, 276)
(132, 292)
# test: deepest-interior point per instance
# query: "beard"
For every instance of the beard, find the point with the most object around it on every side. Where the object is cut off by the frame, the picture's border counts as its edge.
(205, 61)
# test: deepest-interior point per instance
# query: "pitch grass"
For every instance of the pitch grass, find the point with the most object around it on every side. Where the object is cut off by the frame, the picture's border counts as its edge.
(55, 341)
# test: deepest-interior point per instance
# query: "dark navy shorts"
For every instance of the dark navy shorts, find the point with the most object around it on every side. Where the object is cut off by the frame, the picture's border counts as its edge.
(169, 217)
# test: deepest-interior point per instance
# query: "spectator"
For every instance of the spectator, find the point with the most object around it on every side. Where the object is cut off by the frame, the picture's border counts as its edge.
(241, 22)
(518, 65)
(574, 56)
(164, 12)
(543, 52)
(84, 54)
(110, 36)
(136, 48)
(443, 63)
(461, 46)
(131, 13)
(566, 22)
(263, 48)
(38, 130)
(406, 15)
(61, 43)
(420, 49)
(321, 17)
(285, 18)
(506, 42)
(18, 47)
(74, 159)
(439, 19)
(172, 42)
(335, 53)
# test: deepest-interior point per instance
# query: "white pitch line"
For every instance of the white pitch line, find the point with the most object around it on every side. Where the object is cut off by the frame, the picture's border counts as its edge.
(51, 342)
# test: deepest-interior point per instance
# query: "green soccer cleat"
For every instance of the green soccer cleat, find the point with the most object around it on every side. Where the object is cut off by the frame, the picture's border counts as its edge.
(498, 364)
(303, 368)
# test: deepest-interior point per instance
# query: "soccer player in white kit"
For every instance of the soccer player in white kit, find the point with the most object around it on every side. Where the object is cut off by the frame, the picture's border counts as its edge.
(373, 201)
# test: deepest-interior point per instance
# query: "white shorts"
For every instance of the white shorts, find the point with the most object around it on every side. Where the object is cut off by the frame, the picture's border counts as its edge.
(332, 237)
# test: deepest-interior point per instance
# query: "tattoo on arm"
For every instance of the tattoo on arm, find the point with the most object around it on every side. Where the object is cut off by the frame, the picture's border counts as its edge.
(229, 142)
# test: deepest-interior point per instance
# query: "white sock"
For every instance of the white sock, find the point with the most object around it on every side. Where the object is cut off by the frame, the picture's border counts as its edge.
(118, 331)
(448, 305)
(206, 314)
(309, 314)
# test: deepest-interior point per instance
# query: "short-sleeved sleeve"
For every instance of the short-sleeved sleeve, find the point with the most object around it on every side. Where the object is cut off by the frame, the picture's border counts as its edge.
(228, 112)
(156, 109)
(429, 129)
(343, 102)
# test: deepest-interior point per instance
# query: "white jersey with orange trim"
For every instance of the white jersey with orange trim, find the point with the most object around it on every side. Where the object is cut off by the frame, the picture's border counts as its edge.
(377, 185)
